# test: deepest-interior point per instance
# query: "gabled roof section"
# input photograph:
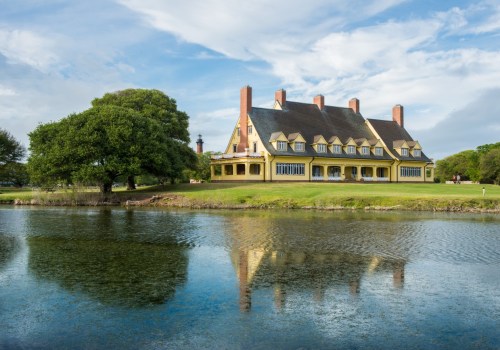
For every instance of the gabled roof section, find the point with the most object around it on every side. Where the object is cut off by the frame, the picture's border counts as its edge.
(295, 137)
(330, 121)
(391, 132)
(399, 144)
(334, 140)
(319, 139)
(414, 144)
(277, 135)
(361, 141)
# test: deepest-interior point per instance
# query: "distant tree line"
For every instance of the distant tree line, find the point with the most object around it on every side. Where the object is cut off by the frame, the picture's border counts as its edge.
(128, 135)
(482, 165)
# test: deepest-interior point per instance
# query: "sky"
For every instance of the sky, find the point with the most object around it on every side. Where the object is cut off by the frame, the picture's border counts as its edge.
(439, 59)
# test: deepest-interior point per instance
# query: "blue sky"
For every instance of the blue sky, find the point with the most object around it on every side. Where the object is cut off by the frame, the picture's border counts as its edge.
(439, 59)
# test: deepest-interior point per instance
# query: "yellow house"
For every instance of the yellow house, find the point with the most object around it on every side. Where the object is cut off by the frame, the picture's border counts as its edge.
(296, 141)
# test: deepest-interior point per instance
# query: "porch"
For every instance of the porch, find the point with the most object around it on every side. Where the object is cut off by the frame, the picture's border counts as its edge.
(242, 166)
(350, 173)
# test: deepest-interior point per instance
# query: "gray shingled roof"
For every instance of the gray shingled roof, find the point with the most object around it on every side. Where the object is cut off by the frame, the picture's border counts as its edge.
(309, 121)
(391, 133)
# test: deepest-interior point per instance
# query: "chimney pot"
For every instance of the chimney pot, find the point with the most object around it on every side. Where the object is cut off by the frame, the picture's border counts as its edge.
(319, 101)
(354, 104)
(398, 115)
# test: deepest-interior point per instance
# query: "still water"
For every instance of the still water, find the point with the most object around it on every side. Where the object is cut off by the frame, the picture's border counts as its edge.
(162, 279)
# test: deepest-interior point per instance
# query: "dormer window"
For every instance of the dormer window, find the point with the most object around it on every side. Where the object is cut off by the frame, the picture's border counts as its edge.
(282, 145)
(379, 151)
(250, 129)
(351, 149)
(299, 146)
(321, 148)
(404, 152)
(417, 153)
(337, 149)
(365, 150)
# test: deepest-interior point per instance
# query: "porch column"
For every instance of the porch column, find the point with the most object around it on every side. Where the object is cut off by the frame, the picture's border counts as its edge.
(358, 173)
(342, 172)
(374, 173)
(212, 171)
(325, 172)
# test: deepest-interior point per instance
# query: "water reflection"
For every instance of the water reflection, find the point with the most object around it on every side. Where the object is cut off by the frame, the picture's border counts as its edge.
(313, 253)
(112, 257)
(298, 271)
(9, 248)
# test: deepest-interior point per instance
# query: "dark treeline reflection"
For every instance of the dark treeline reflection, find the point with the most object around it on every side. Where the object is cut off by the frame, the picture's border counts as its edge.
(9, 247)
(119, 258)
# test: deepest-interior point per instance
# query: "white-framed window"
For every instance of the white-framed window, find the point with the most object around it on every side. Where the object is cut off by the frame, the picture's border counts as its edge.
(365, 150)
(290, 169)
(250, 129)
(407, 171)
(379, 151)
(417, 153)
(299, 146)
(282, 145)
(321, 148)
(337, 149)
(351, 149)
(404, 152)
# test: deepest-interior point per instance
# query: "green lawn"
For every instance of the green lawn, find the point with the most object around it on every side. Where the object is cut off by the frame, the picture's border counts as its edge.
(337, 194)
(299, 195)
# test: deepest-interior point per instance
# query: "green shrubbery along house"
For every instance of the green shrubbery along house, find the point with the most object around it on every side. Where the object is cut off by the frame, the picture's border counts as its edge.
(296, 141)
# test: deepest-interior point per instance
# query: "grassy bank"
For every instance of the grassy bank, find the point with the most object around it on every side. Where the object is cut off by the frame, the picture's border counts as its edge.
(431, 197)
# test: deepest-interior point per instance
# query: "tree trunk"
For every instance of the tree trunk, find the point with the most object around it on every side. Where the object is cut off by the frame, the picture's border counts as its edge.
(106, 188)
(131, 183)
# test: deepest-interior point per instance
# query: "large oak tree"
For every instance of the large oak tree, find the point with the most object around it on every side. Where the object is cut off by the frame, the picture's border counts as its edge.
(152, 104)
(111, 140)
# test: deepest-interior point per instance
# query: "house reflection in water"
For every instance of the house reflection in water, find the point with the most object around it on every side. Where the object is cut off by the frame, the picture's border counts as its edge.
(290, 271)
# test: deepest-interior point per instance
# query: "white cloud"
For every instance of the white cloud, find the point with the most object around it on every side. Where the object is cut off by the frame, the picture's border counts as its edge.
(27, 47)
(242, 28)
(5, 91)
(311, 52)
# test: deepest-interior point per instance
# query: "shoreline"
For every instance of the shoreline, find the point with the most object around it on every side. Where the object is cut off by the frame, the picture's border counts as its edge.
(183, 202)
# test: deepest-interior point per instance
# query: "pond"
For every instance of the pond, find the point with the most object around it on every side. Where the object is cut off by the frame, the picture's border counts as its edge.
(92, 278)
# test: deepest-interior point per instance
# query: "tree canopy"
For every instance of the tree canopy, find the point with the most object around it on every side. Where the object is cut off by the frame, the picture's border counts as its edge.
(11, 153)
(152, 104)
(112, 139)
(10, 149)
(482, 164)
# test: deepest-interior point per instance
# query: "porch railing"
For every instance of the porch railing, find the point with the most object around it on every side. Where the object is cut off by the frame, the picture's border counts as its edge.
(317, 178)
(236, 155)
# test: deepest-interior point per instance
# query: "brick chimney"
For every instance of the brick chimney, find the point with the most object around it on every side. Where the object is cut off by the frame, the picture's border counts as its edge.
(354, 104)
(319, 101)
(199, 145)
(398, 115)
(280, 96)
(245, 108)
